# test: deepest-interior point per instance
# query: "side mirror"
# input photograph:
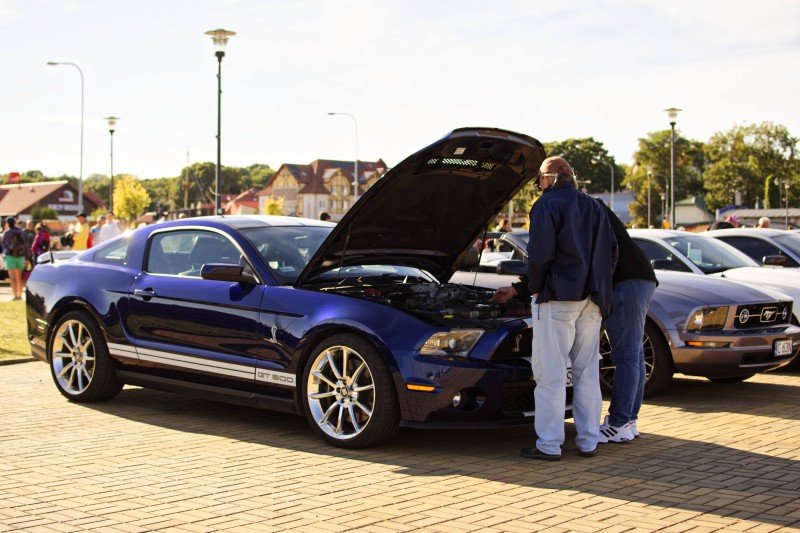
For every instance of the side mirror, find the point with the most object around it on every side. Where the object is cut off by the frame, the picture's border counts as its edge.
(226, 272)
(512, 266)
(668, 264)
(774, 260)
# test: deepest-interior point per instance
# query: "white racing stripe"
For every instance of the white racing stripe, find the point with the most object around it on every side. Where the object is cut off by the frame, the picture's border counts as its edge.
(189, 362)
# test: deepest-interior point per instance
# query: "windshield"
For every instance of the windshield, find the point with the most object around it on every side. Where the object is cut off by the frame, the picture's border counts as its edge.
(710, 255)
(791, 241)
(286, 249)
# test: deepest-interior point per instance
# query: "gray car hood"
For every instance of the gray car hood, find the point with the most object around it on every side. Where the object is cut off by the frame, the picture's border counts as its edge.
(429, 209)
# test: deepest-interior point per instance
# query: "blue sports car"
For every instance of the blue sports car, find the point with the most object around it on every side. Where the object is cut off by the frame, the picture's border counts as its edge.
(354, 325)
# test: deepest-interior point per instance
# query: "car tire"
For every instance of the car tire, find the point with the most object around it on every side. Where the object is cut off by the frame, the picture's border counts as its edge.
(348, 393)
(731, 379)
(79, 361)
(658, 361)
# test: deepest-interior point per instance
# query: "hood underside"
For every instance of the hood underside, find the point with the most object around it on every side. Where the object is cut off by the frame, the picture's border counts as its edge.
(429, 209)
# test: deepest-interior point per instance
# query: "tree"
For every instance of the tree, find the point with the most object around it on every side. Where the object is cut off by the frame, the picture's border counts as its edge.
(652, 159)
(772, 193)
(590, 160)
(130, 198)
(741, 158)
(41, 212)
(274, 206)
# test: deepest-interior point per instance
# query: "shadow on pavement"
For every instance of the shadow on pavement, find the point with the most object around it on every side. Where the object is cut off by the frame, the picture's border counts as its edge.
(673, 473)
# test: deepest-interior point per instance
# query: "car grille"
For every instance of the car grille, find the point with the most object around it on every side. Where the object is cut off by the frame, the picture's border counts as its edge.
(518, 398)
(760, 315)
(517, 344)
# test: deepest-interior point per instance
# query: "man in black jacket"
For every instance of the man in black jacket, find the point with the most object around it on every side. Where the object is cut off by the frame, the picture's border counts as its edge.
(571, 256)
(634, 285)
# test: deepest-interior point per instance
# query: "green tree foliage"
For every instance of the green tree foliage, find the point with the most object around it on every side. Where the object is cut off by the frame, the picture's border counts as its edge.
(741, 158)
(772, 193)
(41, 212)
(590, 160)
(652, 160)
(97, 184)
(130, 198)
(274, 206)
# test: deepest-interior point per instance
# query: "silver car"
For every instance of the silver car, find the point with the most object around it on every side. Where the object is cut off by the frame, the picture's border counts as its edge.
(695, 325)
(766, 246)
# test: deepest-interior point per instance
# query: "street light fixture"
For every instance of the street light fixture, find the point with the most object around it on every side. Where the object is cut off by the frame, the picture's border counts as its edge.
(112, 123)
(80, 176)
(672, 113)
(220, 38)
(649, 177)
(611, 167)
(355, 167)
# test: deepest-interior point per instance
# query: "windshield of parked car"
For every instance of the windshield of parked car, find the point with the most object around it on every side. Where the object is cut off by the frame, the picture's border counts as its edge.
(710, 255)
(286, 249)
(791, 241)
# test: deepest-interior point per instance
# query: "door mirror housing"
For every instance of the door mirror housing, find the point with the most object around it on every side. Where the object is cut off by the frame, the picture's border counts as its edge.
(512, 266)
(226, 272)
(774, 260)
(669, 264)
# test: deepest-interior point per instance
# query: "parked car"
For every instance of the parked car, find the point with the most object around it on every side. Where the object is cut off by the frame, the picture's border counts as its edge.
(724, 351)
(353, 325)
(766, 246)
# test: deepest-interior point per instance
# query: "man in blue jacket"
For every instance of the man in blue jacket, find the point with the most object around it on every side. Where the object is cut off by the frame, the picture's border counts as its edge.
(571, 257)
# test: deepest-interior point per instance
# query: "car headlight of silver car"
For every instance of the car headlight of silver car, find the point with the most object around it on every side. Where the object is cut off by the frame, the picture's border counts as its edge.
(458, 342)
(708, 318)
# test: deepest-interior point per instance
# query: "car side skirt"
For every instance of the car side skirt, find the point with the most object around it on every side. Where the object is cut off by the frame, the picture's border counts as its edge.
(209, 392)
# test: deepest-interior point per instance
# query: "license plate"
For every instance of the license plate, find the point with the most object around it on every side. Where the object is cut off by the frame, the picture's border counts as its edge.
(783, 347)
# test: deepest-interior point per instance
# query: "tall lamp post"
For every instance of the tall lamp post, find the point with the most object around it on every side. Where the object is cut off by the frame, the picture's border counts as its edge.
(355, 168)
(649, 177)
(611, 167)
(672, 113)
(80, 176)
(663, 206)
(220, 38)
(112, 123)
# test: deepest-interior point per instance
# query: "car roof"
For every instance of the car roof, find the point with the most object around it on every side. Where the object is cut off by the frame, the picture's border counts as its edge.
(752, 232)
(658, 233)
(249, 221)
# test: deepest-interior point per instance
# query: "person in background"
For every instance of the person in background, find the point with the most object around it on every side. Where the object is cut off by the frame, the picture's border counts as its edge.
(41, 242)
(30, 232)
(80, 235)
(324, 216)
(571, 257)
(94, 231)
(731, 221)
(17, 252)
(763, 222)
(110, 229)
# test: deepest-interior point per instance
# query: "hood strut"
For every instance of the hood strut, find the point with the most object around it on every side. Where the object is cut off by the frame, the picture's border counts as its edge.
(344, 252)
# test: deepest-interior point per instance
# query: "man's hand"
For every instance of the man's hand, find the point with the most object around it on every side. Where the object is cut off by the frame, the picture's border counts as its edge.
(504, 294)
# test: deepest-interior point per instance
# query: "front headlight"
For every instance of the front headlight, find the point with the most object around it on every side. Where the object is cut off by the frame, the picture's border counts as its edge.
(454, 342)
(708, 318)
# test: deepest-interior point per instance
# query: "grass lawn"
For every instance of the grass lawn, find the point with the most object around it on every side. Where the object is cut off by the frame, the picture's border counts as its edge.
(13, 344)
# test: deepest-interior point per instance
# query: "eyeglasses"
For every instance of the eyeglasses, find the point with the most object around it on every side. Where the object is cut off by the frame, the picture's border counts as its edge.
(551, 175)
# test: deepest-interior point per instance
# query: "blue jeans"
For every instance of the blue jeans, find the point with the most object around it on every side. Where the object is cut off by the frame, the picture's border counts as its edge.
(566, 332)
(625, 328)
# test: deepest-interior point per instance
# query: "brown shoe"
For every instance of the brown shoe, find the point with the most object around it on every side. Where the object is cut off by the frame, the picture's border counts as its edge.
(532, 452)
(590, 453)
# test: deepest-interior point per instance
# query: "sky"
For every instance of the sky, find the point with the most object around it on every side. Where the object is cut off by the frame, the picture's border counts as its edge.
(409, 71)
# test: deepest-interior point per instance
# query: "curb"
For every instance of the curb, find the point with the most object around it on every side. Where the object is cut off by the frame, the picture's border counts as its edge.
(16, 361)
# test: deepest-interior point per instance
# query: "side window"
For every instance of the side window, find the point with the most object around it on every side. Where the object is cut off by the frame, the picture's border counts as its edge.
(753, 247)
(184, 252)
(660, 257)
(117, 254)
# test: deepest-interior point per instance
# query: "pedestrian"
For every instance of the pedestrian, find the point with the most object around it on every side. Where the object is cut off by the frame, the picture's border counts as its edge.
(634, 283)
(30, 232)
(324, 216)
(16, 253)
(41, 242)
(110, 229)
(763, 222)
(94, 231)
(80, 233)
(571, 256)
(731, 221)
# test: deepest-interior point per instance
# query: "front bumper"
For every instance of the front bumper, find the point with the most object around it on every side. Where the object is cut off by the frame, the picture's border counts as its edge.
(747, 352)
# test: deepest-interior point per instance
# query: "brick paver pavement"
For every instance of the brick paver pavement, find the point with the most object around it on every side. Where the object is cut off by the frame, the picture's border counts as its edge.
(711, 457)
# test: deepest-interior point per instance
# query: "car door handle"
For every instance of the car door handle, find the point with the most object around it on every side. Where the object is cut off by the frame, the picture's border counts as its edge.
(144, 293)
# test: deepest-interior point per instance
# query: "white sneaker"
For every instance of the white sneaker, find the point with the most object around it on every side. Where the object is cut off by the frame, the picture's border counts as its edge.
(634, 429)
(609, 433)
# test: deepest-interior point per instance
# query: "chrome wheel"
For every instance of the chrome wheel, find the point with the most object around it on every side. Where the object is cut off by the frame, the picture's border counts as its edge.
(341, 392)
(73, 357)
(607, 367)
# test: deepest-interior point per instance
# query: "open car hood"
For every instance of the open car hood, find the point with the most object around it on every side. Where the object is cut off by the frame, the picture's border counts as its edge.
(429, 209)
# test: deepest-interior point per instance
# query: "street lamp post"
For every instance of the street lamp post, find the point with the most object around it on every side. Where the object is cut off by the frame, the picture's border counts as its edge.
(786, 187)
(112, 123)
(663, 206)
(80, 176)
(355, 167)
(220, 38)
(649, 177)
(672, 113)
